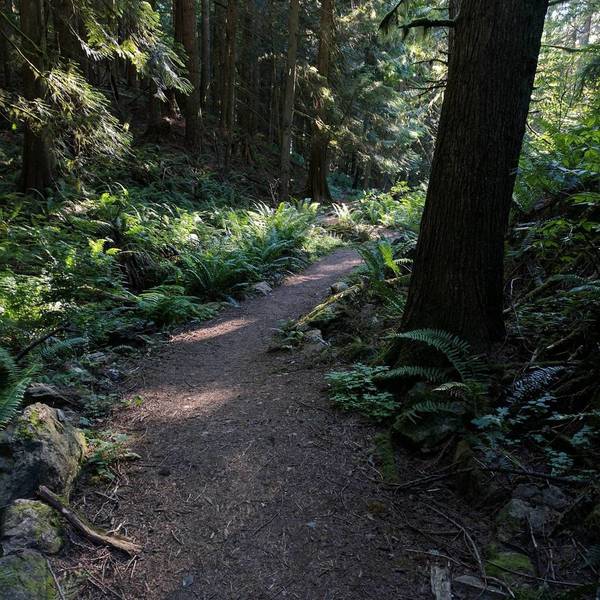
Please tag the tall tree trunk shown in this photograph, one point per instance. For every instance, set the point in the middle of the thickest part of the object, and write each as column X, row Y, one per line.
column 5, row 81
column 37, row 156
column 205, row 82
column 229, row 96
column 287, row 117
column 186, row 33
column 317, row 186
column 66, row 23
column 457, row 282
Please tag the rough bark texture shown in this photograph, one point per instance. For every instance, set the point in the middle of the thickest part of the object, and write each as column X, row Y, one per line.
column 205, row 83
column 317, row 187
column 229, row 91
column 186, row 33
column 287, row 116
column 457, row 283
column 37, row 156
column 6, row 78
column 66, row 22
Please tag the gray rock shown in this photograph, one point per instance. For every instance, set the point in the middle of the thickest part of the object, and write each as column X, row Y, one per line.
column 262, row 287
column 339, row 286
column 314, row 336
column 39, row 448
column 550, row 496
column 31, row 524
column 518, row 516
column 555, row 498
column 25, row 576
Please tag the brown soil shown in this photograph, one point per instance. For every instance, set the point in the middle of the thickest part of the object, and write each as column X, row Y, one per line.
column 251, row 487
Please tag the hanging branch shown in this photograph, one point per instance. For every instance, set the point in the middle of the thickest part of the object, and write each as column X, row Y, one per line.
column 427, row 24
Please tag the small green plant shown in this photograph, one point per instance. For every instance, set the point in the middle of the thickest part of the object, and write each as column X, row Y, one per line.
column 355, row 390
column 106, row 449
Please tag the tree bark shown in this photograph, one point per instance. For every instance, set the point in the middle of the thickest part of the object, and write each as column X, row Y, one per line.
column 65, row 22
column 186, row 33
column 6, row 7
column 457, row 282
column 37, row 156
column 205, row 83
column 317, row 186
column 229, row 95
column 288, row 100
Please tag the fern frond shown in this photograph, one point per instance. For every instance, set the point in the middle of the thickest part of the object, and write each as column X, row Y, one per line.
column 427, row 407
column 458, row 352
column 533, row 382
column 431, row 374
column 12, row 387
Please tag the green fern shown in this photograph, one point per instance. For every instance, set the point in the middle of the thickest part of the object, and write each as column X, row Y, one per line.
column 458, row 352
column 428, row 407
column 13, row 384
column 431, row 374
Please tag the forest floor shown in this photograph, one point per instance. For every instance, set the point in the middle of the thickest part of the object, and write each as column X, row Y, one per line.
column 251, row 487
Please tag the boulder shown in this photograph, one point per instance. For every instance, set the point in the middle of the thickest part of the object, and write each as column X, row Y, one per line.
column 31, row 524
column 39, row 448
column 262, row 287
column 25, row 575
column 517, row 516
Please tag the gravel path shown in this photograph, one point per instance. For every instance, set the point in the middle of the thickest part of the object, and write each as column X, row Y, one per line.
column 250, row 486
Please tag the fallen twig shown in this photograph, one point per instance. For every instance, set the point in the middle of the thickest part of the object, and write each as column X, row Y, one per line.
column 96, row 536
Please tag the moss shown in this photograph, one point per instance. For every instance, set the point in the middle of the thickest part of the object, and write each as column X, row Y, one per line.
column 25, row 576
column 385, row 457
column 505, row 565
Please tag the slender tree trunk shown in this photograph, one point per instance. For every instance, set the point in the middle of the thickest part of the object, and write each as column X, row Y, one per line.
column 186, row 33
column 205, row 83
column 229, row 108
column 457, row 282
column 288, row 100
column 37, row 156
column 6, row 7
column 317, row 186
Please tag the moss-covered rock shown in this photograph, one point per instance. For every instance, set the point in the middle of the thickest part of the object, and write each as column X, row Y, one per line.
column 31, row 524
column 25, row 576
column 507, row 565
column 39, row 448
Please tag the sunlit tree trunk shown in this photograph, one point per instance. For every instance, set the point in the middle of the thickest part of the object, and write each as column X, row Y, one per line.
column 457, row 282
column 37, row 156
column 317, row 186
column 186, row 33
column 287, row 116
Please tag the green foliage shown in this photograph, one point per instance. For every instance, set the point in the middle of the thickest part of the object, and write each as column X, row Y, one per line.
column 105, row 450
column 470, row 368
column 355, row 390
column 168, row 305
column 13, row 383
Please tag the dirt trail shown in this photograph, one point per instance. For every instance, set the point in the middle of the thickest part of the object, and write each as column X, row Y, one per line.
column 250, row 486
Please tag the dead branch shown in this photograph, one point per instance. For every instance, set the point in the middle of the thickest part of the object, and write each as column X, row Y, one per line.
column 93, row 534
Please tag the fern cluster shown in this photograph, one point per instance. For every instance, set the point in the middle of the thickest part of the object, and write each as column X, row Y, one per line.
column 13, row 383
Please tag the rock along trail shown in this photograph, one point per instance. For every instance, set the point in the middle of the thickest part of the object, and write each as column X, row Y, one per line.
column 250, row 485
